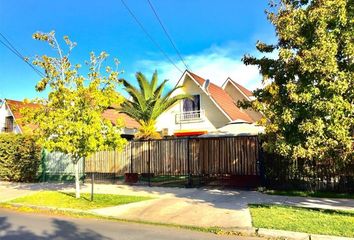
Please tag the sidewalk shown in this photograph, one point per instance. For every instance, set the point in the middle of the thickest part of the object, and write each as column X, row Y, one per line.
column 202, row 207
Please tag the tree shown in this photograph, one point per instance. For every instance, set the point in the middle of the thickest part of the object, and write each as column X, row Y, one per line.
column 70, row 119
column 308, row 98
column 148, row 102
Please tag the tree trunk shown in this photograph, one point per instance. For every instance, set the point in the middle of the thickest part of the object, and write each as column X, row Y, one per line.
column 77, row 180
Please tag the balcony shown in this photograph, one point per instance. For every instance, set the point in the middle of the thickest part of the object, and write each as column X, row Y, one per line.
column 191, row 116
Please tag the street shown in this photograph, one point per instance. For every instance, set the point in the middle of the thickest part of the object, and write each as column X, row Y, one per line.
column 24, row 226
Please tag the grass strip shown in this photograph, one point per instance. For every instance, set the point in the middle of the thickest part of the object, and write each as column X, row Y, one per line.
column 314, row 221
column 317, row 194
column 68, row 200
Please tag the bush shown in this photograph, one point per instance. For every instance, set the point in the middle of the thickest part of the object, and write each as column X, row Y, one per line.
column 20, row 158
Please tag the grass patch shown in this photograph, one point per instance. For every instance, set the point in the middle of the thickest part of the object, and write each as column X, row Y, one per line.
column 68, row 200
column 310, row 194
column 315, row 221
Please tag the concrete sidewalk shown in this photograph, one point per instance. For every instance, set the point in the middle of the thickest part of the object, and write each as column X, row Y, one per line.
column 203, row 207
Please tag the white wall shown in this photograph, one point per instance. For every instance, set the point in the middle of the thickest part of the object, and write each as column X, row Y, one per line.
column 214, row 118
column 5, row 112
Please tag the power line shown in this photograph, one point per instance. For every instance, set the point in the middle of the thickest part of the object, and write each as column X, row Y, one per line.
column 149, row 36
column 11, row 47
column 168, row 35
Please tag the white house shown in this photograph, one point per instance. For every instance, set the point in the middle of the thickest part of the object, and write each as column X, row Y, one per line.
column 212, row 107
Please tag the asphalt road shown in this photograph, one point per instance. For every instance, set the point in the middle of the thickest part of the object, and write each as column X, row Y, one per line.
column 24, row 226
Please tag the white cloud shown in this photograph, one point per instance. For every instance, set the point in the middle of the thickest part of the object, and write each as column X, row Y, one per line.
column 216, row 63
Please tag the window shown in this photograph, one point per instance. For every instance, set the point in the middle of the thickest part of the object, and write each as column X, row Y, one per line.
column 9, row 124
column 190, row 105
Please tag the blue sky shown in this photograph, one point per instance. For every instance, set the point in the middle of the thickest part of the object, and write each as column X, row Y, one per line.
column 212, row 36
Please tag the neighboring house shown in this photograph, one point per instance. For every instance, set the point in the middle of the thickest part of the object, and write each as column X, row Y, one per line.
column 211, row 108
column 130, row 125
column 10, row 116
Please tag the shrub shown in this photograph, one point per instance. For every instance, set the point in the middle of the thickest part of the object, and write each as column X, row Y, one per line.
column 20, row 158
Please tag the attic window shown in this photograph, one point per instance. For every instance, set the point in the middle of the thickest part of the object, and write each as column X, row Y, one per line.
column 190, row 105
column 9, row 124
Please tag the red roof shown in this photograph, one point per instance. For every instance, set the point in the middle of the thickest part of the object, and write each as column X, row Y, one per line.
column 245, row 91
column 223, row 100
column 16, row 106
column 112, row 115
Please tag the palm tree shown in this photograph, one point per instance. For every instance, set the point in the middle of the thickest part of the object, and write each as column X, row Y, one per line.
column 148, row 102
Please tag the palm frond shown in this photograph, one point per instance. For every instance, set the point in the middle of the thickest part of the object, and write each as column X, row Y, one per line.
column 154, row 81
column 144, row 85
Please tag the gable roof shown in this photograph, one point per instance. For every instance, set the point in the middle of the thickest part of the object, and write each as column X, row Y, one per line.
column 244, row 90
column 16, row 106
column 15, row 109
column 222, row 100
column 110, row 114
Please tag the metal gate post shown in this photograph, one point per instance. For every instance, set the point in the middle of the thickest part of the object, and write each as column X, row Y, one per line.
column 131, row 156
column 149, row 160
column 92, row 184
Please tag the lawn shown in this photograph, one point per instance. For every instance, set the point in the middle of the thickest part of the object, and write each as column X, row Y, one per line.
column 310, row 194
column 68, row 200
column 315, row 221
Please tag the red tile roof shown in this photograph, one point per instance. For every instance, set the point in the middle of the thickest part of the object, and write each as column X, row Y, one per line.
column 16, row 106
column 247, row 92
column 112, row 115
column 223, row 100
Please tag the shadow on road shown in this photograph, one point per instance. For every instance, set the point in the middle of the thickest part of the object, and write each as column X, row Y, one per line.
column 60, row 229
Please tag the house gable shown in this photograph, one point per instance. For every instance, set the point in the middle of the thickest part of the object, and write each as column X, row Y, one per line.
column 222, row 100
column 11, row 108
column 239, row 93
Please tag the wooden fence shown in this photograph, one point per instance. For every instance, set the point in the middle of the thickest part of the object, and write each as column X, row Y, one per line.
column 216, row 156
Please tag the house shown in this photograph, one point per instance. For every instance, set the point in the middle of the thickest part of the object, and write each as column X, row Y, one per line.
column 10, row 116
column 211, row 107
column 130, row 125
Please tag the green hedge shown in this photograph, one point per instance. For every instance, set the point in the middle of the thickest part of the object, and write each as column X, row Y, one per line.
column 20, row 158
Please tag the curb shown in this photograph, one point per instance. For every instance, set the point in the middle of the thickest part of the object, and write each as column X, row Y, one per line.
column 272, row 233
